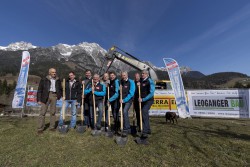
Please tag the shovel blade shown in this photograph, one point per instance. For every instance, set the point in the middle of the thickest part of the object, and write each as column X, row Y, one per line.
column 109, row 134
column 122, row 141
column 96, row 132
column 81, row 129
column 143, row 141
column 63, row 129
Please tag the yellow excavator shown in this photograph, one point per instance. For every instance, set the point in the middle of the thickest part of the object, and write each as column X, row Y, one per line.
column 117, row 53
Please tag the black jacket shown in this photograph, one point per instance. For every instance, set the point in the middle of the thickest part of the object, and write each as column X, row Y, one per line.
column 73, row 93
column 44, row 87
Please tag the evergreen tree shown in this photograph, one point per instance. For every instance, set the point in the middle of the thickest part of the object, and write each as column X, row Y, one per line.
column 5, row 85
column 1, row 87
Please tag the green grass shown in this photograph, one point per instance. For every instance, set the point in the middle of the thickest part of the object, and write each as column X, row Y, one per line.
column 192, row 142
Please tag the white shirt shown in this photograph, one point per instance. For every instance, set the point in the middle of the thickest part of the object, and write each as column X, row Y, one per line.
column 52, row 85
column 71, row 82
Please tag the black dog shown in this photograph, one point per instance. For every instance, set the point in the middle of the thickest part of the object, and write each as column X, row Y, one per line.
column 171, row 116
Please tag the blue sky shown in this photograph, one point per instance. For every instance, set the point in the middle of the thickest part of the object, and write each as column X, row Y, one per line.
column 207, row 35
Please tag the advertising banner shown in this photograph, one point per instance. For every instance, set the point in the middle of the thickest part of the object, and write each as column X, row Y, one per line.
column 164, row 101
column 178, row 88
column 20, row 90
column 32, row 98
column 219, row 103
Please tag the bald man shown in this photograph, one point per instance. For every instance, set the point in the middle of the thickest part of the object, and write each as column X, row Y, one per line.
column 49, row 91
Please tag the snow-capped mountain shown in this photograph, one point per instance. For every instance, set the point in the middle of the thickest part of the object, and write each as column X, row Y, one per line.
column 91, row 48
column 18, row 46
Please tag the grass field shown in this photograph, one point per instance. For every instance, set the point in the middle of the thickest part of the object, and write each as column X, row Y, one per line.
column 192, row 142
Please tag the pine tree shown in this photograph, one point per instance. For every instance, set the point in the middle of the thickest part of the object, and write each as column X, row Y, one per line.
column 1, row 87
column 5, row 86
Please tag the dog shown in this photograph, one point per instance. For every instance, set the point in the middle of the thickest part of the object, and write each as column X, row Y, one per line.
column 171, row 116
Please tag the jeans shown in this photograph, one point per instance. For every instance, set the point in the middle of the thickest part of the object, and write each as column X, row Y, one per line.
column 98, row 104
column 126, row 123
column 145, row 116
column 73, row 113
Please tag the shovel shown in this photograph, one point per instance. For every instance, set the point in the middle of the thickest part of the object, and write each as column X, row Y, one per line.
column 80, row 128
column 95, row 132
column 121, row 140
column 143, row 139
column 64, row 128
column 109, row 132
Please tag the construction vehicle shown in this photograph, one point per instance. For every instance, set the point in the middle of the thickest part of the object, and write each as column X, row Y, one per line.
column 117, row 53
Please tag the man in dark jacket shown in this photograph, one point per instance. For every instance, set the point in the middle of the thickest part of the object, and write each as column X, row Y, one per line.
column 147, row 88
column 87, row 82
column 128, row 91
column 73, row 97
column 137, row 79
column 49, row 91
column 99, row 91
column 114, row 87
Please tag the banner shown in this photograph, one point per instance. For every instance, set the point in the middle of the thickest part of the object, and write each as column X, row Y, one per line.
column 20, row 90
column 219, row 103
column 164, row 101
column 32, row 98
column 177, row 85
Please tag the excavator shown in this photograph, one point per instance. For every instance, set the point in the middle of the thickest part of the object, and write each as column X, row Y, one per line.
column 117, row 53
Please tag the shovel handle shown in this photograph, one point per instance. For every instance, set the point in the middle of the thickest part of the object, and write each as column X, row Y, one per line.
column 82, row 107
column 63, row 105
column 121, row 112
column 108, row 108
column 94, row 104
column 104, row 109
column 140, row 107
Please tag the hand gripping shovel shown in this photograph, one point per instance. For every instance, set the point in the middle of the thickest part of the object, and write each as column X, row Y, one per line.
column 95, row 132
column 121, row 140
column 142, row 139
column 81, row 128
column 109, row 132
column 64, row 128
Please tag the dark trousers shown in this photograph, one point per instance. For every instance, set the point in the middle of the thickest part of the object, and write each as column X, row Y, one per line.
column 115, row 106
column 145, row 116
column 137, row 112
column 86, row 114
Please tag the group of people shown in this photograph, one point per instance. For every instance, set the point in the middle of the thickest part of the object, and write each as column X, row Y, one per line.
column 110, row 91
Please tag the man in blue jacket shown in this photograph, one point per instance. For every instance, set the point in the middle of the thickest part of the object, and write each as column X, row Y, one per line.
column 147, row 88
column 99, row 91
column 128, row 91
column 114, row 98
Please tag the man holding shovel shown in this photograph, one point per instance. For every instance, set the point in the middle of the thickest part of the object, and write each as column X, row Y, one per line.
column 147, row 88
column 87, row 82
column 98, row 90
column 128, row 91
column 114, row 98
column 73, row 97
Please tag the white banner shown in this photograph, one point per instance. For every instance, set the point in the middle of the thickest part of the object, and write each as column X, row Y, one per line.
column 20, row 90
column 219, row 103
column 177, row 85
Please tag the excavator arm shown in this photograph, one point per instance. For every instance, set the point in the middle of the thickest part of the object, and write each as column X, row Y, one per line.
column 125, row 57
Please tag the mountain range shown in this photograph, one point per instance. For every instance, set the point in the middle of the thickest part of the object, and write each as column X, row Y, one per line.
column 86, row 55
